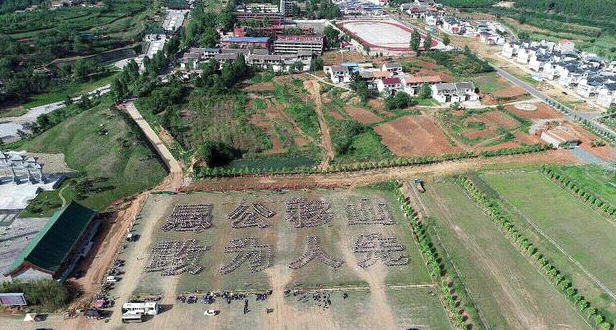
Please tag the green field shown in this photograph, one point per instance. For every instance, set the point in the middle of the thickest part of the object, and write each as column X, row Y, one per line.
column 576, row 236
column 508, row 290
column 594, row 178
column 59, row 94
column 113, row 165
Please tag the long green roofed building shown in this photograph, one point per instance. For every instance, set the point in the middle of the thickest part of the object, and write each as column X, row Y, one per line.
column 58, row 247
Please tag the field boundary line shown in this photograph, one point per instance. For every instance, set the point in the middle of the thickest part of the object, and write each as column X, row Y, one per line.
column 557, row 246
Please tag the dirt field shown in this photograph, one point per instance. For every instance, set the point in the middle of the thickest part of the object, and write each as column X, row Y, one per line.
column 369, row 288
column 362, row 115
column 542, row 112
column 509, row 92
column 415, row 136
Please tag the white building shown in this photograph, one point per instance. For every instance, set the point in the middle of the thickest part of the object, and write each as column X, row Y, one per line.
column 607, row 95
column 338, row 74
column 454, row 92
column 394, row 67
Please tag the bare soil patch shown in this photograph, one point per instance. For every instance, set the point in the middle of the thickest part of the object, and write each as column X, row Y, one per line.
column 260, row 87
column 543, row 112
column 362, row 115
column 509, row 92
column 605, row 152
column 379, row 106
column 415, row 136
column 336, row 115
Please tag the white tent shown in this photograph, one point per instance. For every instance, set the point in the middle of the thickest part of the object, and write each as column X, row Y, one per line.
column 30, row 318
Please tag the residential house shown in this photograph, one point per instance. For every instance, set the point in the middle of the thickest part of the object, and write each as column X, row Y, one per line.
column 606, row 96
column 454, row 92
column 413, row 84
column 451, row 25
column 390, row 85
column 537, row 62
column 338, row 74
column 394, row 67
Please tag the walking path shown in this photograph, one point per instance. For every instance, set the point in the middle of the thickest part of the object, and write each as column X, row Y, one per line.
column 175, row 170
column 326, row 140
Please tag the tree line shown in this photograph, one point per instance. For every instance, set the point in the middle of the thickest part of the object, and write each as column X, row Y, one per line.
column 436, row 265
column 532, row 252
column 587, row 196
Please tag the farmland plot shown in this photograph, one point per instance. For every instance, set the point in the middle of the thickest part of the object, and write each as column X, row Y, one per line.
column 577, row 236
column 506, row 287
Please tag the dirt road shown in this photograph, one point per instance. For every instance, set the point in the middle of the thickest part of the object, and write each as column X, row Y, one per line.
column 359, row 178
column 326, row 141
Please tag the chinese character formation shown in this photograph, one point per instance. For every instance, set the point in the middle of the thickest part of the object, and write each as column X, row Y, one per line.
column 261, row 256
column 313, row 250
column 369, row 213
column 378, row 248
column 246, row 216
column 189, row 217
column 303, row 213
column 175, row 257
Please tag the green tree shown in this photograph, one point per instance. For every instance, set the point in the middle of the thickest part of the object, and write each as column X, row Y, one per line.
column 427, row 44
column 415, row 41
column 446, row 40
column 332, row 37
column 209, row 37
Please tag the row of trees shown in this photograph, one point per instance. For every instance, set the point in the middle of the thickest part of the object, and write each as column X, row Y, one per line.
column 530, row 250
column 584, row 194
column 416, row 43
column 526, row 149
column 350, row 167
column 364, row 166
column 437, row 268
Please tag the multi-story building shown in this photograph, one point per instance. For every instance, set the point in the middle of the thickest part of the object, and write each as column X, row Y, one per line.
column 287, row 7
column 292, row 44
column 245, row 42
column 272, row 18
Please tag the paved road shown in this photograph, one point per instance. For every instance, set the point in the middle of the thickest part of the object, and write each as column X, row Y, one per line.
column 570, row 113
column 10, row 125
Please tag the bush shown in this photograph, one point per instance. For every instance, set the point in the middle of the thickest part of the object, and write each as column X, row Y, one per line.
column 400, row 101
column 42, row 295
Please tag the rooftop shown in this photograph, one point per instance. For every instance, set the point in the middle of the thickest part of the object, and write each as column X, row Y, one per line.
column 52, row 245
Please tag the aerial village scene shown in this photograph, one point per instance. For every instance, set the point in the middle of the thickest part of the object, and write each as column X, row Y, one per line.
column 307, row 164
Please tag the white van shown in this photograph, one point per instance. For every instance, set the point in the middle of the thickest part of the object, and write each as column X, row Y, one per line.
column 147, row 308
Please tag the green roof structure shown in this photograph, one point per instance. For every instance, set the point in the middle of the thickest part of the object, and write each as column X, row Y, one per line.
column 53, row 244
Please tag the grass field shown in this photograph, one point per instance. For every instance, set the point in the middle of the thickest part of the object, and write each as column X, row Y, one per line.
column 594, row 178
column 507, row 289
column 116, row 164
column 406, row 289
column 75, row 89
column 577, row 237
